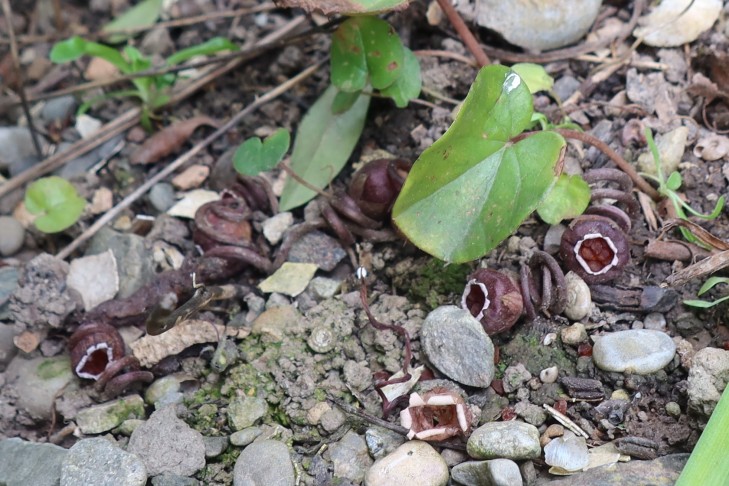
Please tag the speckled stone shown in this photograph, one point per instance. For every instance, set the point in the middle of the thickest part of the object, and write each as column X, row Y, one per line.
column 637, row 351
column 455, row 343
column 497, row 472
column 509, row 440
column 264, row 463
column 89, row 460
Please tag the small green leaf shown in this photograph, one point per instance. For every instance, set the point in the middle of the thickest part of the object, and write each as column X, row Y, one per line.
column 705, row 304
column 348, row 61
column 323, row 144
column 75, row 47
column 143, row 14
column 253, row 156
column 383, row 49
column 534, row 75
column 216, row 44
column 474, row 186
column 674, row 181
column 343, row 101
column 568, row 199
column 711, row 282
column 407, row 87
column 56, row 202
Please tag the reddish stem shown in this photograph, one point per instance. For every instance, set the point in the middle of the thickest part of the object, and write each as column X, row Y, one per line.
column 465, row 34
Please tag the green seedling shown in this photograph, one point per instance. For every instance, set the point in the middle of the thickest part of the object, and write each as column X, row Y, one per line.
column 475, row 185
column 366, row 54
column 710, row 283
column 668, row 187
column 254, row 156
column 152, row 91
column 56, row 203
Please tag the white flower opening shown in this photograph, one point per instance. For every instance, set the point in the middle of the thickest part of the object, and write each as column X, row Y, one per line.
column 467, row 292
column 583, row 263
column 89, row 355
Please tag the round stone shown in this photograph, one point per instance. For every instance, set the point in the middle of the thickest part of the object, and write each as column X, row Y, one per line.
column 638, row 351
column 321, row 339
column 12, row 235
column 456, row 344
column 509, row 440
column 414, row 463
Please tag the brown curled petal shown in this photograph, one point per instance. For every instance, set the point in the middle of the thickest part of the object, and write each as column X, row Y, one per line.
column 611, row 212
column 115, row 368
column 623, row 197
column 337, row 225
column 224, row 221
column 242, row 254
column 117, row 385
column 258, row 193
column 346, row 206
column 436, row 415
column 525, row 278
column 622, row 179
column 398, row 171
column 94, row 346
column 595, row 248
column 557, row 300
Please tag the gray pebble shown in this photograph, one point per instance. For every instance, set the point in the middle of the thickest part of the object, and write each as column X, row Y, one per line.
column 12, row 235
column 58, row 110
column 319, row 248
column 456, row 344
column 638, row 351
column 497, row 472
column 381, row 442
column 168, row 479
column 565, row 86
column 511, row 440
column 162, row 196
column 89, row 461
column 275, row 226
column 332, row 419
column 30, row 463
column 357, row 375
column 532, row 414
column 245, row 411
column 514, row 377
column 574, row 334
column 264, row 463
column 161, row 387
column 214, row 446
column 37, row 381
column 8, row 350
column 350, row 458
column 655, row 321
column 673, row 409
column 16, row 146
column 244, row 437
column 167, row 444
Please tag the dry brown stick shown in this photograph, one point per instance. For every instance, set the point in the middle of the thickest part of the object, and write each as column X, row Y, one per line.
column 705, row 267
column 464, row 33
column 181, row 22
column 173, row 166
column 128, row 119
column 674, row 250
column 8, row 13
column 615, row 157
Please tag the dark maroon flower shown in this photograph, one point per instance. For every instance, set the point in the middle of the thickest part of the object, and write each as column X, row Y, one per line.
column 494, row 299
column 438, row 415
column 595, row 248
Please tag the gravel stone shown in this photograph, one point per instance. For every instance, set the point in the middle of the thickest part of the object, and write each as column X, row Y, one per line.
column 244, row 437
column 532, row 414
column 332, row 419
column 497, row 472
column 264, row 463
column 30, row 463
column 8, row 350
column 37, row 381
column 514, row 377
column 16, row 147
column 638, row 351
column 574, row 334
column 673, row 409
column 321, row 339
column 89, row 460
column 167, row 479
column 246, row 411
column 106, row 416
column 357, row 375
column 12, row 235
column 95, row 278
column 350, row 457
column 319, row 248
column 707, row 379
column 275, row 227
column 162, row 196
column 415, row 463
column 381, row 442
column 663, row 471
column 456, row 344
column 167, row 444
column 58, row 110
column 510, row 440
column 214, row 446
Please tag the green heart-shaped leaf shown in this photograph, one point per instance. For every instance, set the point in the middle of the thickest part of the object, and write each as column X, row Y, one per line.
column 407, row 87
column 568, row 199
column 534, row 75
column 56, row 202
column 253, row 156
column 474, row 186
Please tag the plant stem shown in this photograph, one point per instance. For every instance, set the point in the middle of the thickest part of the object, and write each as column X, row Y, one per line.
column 466, row 35
column 615, row 157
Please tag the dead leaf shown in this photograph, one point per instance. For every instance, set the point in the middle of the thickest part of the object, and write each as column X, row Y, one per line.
column 167, row 141
column 712, row 147
column 676, row 22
